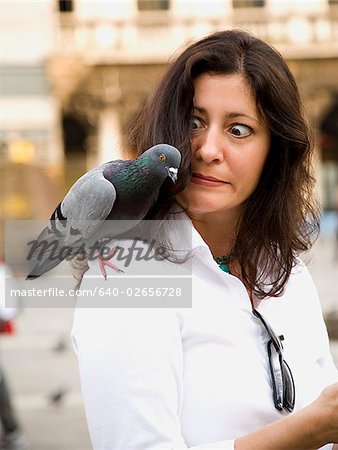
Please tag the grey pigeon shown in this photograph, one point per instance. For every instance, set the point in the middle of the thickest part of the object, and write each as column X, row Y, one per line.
column 121, row 190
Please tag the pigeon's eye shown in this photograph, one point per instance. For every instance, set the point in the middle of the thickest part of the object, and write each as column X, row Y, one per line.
column 162, row 157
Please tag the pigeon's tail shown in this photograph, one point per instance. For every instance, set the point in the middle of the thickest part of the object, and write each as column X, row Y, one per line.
column 45, row 253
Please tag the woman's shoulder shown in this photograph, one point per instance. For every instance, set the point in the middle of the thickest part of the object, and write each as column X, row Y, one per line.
column 301, row 272
column 301, row 290
column 118, row 332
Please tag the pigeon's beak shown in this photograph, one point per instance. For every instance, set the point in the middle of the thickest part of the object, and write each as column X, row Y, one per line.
column 172, row 172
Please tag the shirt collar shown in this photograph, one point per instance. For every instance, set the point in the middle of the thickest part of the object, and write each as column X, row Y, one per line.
column 181, row 225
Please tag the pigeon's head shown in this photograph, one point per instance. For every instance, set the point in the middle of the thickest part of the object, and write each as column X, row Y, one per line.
column 166, row 157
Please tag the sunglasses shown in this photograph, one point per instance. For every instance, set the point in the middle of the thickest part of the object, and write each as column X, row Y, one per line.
column 282, row 380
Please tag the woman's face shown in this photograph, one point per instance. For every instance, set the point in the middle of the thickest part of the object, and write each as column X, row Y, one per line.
column 230, row 142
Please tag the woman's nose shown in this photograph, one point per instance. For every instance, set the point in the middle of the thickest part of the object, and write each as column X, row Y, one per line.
column 210, row 146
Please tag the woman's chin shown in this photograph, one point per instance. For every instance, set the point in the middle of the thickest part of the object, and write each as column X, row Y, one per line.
column 202, row 203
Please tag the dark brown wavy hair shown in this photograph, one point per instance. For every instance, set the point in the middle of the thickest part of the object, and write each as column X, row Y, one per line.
column 281, row 217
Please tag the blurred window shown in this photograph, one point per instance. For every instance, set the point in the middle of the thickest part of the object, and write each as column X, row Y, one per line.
column 329, row 152
column 248, row 3
column 153, row 5
column 23, row 80
column 66, row 5
column 329, row 134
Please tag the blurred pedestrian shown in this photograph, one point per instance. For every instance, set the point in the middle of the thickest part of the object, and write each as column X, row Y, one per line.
column 12, row 437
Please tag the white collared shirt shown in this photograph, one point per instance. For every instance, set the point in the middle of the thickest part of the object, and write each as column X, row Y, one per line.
column 197, row 378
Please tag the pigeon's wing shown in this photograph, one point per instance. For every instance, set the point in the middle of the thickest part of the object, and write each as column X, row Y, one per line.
column 87, row 204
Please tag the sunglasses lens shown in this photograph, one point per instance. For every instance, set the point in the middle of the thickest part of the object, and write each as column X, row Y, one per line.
column 276, row 376
column 289, row 387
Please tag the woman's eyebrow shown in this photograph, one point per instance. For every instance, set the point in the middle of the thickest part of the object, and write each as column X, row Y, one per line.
column 200, row 110
column 230, row 115
column 234, row 115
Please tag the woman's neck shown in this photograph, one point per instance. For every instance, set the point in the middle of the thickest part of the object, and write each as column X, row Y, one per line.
column 217, row 229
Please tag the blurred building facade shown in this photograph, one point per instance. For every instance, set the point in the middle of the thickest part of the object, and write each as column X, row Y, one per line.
column 74, row 72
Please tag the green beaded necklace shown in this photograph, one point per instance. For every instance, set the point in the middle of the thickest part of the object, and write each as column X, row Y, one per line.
column 223, row 262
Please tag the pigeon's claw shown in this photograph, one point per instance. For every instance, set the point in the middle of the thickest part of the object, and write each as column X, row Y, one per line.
column 103, row 261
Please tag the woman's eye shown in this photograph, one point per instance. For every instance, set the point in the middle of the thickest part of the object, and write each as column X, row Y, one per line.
column 240, row 130
column 196, row 123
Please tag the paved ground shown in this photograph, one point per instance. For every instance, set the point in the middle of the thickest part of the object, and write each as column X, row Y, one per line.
column 40, row 364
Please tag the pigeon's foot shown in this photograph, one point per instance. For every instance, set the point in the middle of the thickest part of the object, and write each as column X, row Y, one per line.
column 103, row 261
column 78, row 268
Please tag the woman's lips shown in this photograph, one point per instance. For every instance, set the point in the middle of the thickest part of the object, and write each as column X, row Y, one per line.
column 206, row 180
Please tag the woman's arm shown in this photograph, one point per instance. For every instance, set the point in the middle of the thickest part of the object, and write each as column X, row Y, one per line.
column 309, row 429
column 131, row 367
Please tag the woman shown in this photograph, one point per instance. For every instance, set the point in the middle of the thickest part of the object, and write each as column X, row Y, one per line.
column 217, row 375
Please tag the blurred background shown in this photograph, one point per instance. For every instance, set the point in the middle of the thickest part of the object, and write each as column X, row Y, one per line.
column 72, row 75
